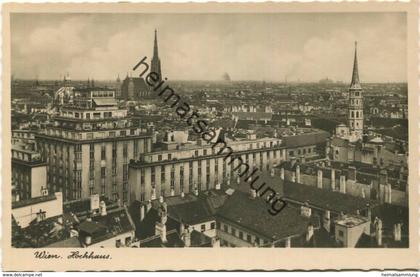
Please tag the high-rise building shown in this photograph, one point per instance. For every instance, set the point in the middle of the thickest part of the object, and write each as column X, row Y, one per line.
column 89, row 146
column 355, row 103
column 155, row 66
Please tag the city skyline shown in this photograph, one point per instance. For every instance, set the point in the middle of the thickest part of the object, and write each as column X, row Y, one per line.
column 297, row 55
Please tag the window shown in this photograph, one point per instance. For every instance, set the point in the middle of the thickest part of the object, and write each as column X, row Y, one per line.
column 241, row 235
column 127, row 241
column 212, row 225
column 233, row 231
column 249, row 238
column 225, row 228
column 118, row 243
column 291, row 153
column 159, row 157
column 103, row 172
column 103, row 152
column 203, row 227
column 340, row 233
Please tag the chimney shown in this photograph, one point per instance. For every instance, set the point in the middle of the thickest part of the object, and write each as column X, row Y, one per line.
column 88, row 240
column 102, row 208
column 388, row 194
column 282, row 173
column 181, row 228
column 397, row 232
column 378, row 231
column 319, row 179
column 187, row 237
column 142, row 208
column 310, row 232
column 252, row 194
column 288, row 242
column 160, row 229
column 215, row 242
column 298, row 174
column 327, row 221
column 333, row 179
column 343, row 183
column 305, row 210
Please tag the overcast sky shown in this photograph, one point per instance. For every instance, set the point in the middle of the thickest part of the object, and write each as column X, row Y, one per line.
column 267, row 47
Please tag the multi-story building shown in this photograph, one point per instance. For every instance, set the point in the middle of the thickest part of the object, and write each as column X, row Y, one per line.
column 89, row 146
column 29, row 173
column 199, row 167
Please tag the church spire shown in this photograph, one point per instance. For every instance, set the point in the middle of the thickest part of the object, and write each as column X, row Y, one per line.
column 155, row 48
column 355, row 83
column 155, row 64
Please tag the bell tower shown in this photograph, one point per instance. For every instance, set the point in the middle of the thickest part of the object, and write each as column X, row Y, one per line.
column 355, row 116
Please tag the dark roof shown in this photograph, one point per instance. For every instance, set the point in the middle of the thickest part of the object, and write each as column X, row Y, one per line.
column 72, row 242
column 199, row 239
column 339, row 142
column 172, row 240
column 146, row 228
column 300, row 140
column 253, row 215
column 324, row 199
column 191, row 213
column 33, row 201
column 114, row 223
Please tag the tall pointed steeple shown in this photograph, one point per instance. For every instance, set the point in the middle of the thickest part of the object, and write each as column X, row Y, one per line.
column 155, row 46
column 356, row 117
column 155, row 65
column 355, row 83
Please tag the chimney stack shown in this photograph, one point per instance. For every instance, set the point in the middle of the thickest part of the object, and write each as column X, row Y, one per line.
column 142, row 213
column 343, row 183
column 282, row 173
column 102, row 208
column 288, row 242
column 378, row 231
column 333, row 179
column 310, row 232
column 319, row 178
column 397, row 232
column 253, row 193
column 187, row 237
column 298, row 174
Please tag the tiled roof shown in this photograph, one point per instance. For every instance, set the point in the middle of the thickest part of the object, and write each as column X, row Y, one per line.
column 324, row 199
column 33, row 201
column 172, row 237
column 253, row 215
column 305, row 139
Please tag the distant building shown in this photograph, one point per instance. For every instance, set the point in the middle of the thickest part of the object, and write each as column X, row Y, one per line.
column 135, row 88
